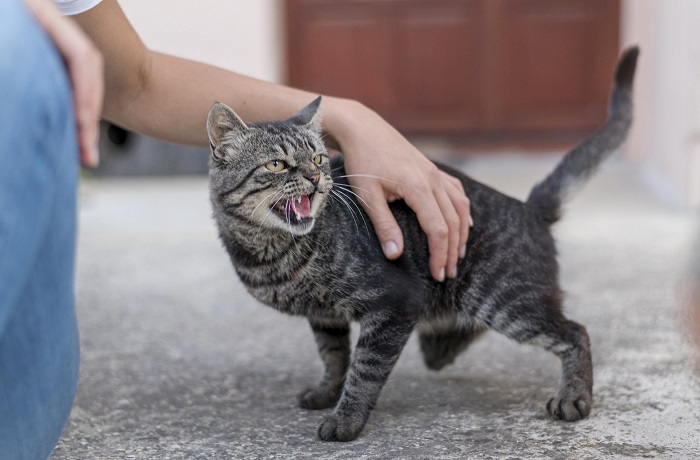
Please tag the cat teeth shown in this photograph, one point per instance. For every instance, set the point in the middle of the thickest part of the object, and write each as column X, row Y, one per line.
column 294, row 202
column 294, row 208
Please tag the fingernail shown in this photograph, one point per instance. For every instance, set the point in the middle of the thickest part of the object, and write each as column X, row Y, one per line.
column 95, row 158
column 453, row 272
column 463, row 252
column 390, row 248
column 441, row 276
column 471, row 221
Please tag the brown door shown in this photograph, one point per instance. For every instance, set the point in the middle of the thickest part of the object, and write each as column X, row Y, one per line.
column 497, row 67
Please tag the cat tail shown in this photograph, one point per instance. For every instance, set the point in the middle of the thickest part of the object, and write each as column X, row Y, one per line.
column 583, row 160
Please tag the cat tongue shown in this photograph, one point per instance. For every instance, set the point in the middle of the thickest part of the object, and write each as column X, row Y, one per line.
column 303, row 207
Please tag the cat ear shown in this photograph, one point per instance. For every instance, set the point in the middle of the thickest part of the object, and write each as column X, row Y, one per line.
column 222, row 120
column 308, row 116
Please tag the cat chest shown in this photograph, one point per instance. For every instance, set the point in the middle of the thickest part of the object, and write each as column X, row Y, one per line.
column 287, row 299
column 296, row 295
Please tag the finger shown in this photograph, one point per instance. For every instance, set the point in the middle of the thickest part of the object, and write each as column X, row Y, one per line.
column 452, row 220
column 462, row 205
column 88, row 94
column 88, row 135
column 453, row 180
column 420, row 199
column 385, row 225
column 87, row 124
column 85, row 66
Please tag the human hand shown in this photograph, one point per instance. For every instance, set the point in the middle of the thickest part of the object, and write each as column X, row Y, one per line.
column 383, row 166
column 85, row 69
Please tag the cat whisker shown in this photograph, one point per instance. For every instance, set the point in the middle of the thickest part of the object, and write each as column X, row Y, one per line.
column 371, row 176
column 346, row 186
column 358, row 197
column 288, row 214
column 269, row 212
column 343, row 192
column 265, row 199
column 353, row 202
column 339, row 199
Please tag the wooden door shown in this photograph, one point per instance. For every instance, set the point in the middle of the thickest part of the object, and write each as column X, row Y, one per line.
column 500, row 67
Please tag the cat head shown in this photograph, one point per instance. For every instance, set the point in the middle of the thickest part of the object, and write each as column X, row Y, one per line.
column 273, row 175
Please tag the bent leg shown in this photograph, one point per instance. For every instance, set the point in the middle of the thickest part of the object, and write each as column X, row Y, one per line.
column 334, row 347
column 39, row 350
column 382, row 338
column 574, row 397
column 540, row 322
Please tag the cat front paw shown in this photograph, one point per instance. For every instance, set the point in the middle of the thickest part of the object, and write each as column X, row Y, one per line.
column 570, row 405
column 318, row 398
column 336, row 427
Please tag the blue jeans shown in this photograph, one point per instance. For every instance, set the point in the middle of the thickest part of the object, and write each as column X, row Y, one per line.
column 39, row 349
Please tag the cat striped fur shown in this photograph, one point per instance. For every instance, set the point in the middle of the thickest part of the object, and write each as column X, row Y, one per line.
column 301, row 243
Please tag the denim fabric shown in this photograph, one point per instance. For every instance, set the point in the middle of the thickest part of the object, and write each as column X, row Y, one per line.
column 39, row 350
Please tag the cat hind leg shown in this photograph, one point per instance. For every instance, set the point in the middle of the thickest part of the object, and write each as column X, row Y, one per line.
column 574, row 397
column 569, row 341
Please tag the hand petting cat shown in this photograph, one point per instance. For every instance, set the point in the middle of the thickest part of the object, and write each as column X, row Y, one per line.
column 168, row 98
column 384, row 167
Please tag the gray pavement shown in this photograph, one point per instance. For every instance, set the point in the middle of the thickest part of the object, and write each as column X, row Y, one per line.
column 179, row 362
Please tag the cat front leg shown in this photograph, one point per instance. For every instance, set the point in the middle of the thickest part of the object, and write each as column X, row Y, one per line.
column 333, row 343
column 382, row 337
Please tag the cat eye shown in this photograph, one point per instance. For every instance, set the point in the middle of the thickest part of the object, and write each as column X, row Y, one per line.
column 276, row 165
column 318, row 159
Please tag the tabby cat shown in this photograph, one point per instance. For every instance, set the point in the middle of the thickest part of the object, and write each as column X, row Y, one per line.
column 301, row 243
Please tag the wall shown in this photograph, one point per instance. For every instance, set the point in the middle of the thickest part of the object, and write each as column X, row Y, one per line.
column 240, row 35
column 665, row 141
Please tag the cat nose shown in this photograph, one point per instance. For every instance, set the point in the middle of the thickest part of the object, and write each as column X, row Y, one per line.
column 312, row 176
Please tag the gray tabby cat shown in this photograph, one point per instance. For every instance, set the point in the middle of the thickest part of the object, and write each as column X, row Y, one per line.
column 301, row 244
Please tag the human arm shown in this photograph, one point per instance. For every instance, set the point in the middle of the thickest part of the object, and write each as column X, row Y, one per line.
column 169, row 98
column 84, row 66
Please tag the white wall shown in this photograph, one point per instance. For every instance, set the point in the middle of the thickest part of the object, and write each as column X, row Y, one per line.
column 240, row 35
column 665, row 140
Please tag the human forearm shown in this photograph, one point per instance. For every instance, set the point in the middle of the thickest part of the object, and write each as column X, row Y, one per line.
column 169, row 97
column 175, row 95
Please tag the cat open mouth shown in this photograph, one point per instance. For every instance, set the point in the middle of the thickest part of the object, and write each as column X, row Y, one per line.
column 295, row 211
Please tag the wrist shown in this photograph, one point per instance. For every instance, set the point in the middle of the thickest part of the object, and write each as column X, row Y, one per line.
column 342, row 117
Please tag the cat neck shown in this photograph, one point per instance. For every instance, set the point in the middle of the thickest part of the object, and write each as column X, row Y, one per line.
column 251, row 245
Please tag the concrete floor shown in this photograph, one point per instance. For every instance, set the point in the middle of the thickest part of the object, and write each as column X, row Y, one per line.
column 179, row 362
